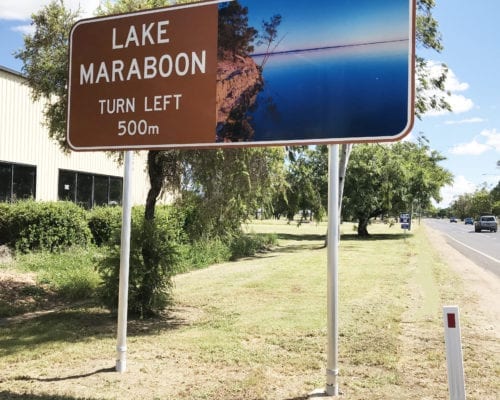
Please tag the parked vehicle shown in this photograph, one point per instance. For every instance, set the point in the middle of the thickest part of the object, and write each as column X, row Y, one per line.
column 486, row 222
column 469, row 221
column 453, row 219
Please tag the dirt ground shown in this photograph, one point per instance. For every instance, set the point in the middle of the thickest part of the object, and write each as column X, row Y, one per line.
column 484, row 284
column 480, row 307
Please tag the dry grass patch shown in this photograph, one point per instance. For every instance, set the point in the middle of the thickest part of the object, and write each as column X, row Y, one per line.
column 255, row 329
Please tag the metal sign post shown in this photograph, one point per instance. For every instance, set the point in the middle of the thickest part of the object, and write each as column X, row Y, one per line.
column 332, row 370
column 121, row 345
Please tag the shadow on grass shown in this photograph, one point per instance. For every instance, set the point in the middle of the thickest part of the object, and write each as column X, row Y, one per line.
column 77, row 325
column 5, row 395
column 345, row 236
column 65, row 378
column 300, row 237
column 378, row 236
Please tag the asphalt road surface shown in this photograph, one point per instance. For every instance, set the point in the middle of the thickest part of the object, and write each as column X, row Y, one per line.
column 483, row 248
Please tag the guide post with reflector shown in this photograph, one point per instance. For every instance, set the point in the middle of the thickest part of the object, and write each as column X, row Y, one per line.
column 454, row 358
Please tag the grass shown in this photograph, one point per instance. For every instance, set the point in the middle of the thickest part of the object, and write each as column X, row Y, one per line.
column 255, row 329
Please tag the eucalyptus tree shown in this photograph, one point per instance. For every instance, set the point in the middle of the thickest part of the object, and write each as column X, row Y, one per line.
column 225, row 185
column 391, row 178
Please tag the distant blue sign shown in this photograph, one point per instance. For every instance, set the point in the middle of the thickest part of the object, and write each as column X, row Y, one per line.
column 405, row 220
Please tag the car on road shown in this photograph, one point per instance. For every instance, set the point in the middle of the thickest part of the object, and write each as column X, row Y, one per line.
column 453, row 219
column 486, row 222
column 469, row 221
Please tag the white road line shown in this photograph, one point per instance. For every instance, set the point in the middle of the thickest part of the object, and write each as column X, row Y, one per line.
column 473, row 249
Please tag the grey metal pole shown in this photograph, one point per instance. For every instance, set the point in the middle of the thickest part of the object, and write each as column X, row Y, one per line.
column 121, row 346
column 332, row 370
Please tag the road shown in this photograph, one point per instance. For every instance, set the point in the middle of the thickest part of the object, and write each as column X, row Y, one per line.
column 481, row 248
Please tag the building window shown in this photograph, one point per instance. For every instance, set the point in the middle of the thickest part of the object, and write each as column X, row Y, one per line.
column 17, row 181
column 89, row 190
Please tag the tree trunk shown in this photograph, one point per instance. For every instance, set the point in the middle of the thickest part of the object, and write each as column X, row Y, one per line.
column 363, row 227
column 156, row 178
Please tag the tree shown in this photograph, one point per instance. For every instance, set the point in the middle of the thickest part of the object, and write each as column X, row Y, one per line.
column 224, row 185
column 495, row 192
column 307, row 184
column 430, row 93
column 268, row 36
column 234, row 34
column 45, row 65
column 462, row 206
column 481, row 202
column 388, row 179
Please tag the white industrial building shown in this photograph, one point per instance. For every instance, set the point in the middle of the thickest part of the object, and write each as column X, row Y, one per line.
column 33, row 166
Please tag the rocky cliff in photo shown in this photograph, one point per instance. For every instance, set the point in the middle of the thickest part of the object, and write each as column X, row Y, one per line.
column 239, row 80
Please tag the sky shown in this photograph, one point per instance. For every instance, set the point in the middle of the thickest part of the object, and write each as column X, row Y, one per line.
column 331, row 23
column 469, row 136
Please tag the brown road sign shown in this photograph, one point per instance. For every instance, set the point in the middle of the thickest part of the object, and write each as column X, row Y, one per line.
column 143, row 80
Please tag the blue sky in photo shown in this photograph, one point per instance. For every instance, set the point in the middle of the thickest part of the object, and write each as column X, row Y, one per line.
column 331, row 23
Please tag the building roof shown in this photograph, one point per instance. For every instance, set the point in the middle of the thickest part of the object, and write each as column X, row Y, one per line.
column 10, row 71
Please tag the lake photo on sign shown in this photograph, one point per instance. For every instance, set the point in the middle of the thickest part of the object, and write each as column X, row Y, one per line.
column 276, row 72
column 330, row 69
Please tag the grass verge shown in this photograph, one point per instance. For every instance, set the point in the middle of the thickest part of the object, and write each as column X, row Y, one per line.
column 255, row 329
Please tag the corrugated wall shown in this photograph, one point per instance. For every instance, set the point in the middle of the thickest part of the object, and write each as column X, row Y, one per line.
column 24, row 139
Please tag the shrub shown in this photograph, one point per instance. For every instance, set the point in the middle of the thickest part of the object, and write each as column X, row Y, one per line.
column 250, row 244
column 203, row 253
column 70, row 274
column 154, row 258
column 51, row 226
column 4, row 231
column 104, row 223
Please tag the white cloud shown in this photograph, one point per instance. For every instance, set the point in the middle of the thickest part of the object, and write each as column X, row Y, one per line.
column 21, row 10
column 449, row 193
column 453, row 84
column 488, row 139
column 458, row 102
column 24, row 29
column 492, row 138
column 473, row 148
column 491, row 180
column 465, row 121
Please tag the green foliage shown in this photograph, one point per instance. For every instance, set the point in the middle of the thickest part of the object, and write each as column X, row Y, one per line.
column 51, row 226
column 475, row 204
column 496, row 208
column 154, row 259
column 104, row 223
column 495, row 193
column 70, row 274
column 307, row 184
column 431, row 93
column 222, row 188
column 234, row 34
column 204, row 252
column 45, row 64
column 389, row 179
column 4, row 229
column 250, row 244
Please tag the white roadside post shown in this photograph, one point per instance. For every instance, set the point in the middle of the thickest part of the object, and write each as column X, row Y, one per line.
column 454, row 358
column 332, row 370
column 121, row 346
